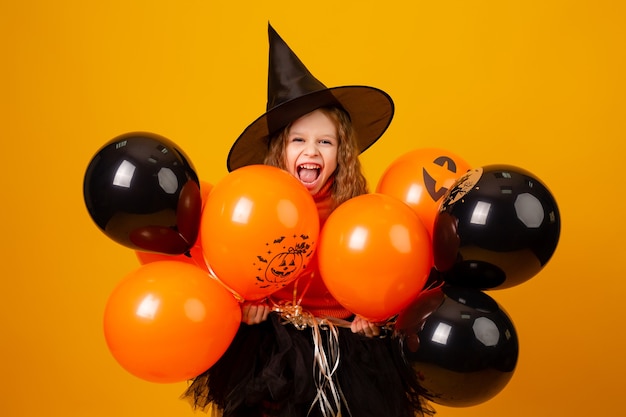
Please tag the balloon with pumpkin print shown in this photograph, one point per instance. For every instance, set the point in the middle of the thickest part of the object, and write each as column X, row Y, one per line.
column 420, row 178
column 259, row 229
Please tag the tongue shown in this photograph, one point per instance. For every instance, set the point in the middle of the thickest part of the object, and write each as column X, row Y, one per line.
column 308, row 175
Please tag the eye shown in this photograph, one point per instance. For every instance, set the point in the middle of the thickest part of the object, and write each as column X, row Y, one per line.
column 326, row 142
column 297, row 139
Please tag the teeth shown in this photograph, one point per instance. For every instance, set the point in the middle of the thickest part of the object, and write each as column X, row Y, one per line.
column 309, row 166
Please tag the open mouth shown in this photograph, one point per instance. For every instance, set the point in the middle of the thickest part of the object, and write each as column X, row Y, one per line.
column 309, row 173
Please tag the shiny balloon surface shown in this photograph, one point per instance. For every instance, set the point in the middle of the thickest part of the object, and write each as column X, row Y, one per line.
column 374, row 255
column 498, row 226
column 259, row 230
column 168, row 321
column 143, row 192
column 463, row 346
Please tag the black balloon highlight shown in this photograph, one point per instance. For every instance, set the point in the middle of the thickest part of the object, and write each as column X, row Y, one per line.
column 461, row 344
column 143, row 192
column 497, row 227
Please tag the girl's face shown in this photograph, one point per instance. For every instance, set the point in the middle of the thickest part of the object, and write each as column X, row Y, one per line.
column 311, row 150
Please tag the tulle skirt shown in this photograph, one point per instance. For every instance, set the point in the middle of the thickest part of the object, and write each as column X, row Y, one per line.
column 276, row 369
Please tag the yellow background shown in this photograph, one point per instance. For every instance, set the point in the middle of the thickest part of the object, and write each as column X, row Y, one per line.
column 538, row 84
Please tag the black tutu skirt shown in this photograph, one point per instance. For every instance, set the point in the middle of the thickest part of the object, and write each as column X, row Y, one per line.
column 271, row 369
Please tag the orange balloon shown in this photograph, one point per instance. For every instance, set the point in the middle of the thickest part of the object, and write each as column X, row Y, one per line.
column 374, row 255
column 169, row 321
column 420, row 178
column 195, row 256
column 258, row 230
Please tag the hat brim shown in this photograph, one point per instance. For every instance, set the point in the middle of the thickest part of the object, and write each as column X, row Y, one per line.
column 370, row 109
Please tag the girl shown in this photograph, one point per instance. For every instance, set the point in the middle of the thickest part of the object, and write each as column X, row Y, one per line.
column 302, row 353
column 320, row 150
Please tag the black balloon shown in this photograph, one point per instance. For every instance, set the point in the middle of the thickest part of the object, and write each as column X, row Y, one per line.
column 461, row 344
column 497, row 227
column 142, row 191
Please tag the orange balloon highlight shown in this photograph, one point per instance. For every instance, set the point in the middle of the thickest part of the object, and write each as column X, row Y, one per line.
column 420, row 178
column 374, row 255
column 168, row 321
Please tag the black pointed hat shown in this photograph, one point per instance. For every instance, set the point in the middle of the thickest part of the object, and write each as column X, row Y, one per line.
column 292, row 92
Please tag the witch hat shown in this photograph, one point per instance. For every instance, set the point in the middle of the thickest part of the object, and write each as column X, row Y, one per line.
column 292, row 92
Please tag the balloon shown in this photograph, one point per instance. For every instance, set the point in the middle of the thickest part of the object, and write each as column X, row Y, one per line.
column 374, row 255
column 194, row 256
column 460, row 342
column 142, row 191
column 259, row 229
column 498, row 227
column 169, row 321
column 420, row 178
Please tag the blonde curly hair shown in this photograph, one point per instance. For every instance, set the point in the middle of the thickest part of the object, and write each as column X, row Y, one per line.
column 349, row 178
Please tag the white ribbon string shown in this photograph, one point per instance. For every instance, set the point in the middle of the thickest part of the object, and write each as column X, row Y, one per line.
column 329, row 396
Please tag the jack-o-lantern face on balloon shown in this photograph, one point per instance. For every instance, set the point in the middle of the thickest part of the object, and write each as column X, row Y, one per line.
column 420, row 178
column 281, row 268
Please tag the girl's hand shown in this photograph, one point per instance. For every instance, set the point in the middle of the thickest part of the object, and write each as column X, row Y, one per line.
column 254, row 313
column 364, row 327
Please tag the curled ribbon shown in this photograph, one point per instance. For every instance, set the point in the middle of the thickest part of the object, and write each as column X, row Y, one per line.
column 326, row 356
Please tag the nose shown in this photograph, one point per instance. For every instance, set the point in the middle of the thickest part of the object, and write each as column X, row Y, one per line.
column 311, row 149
